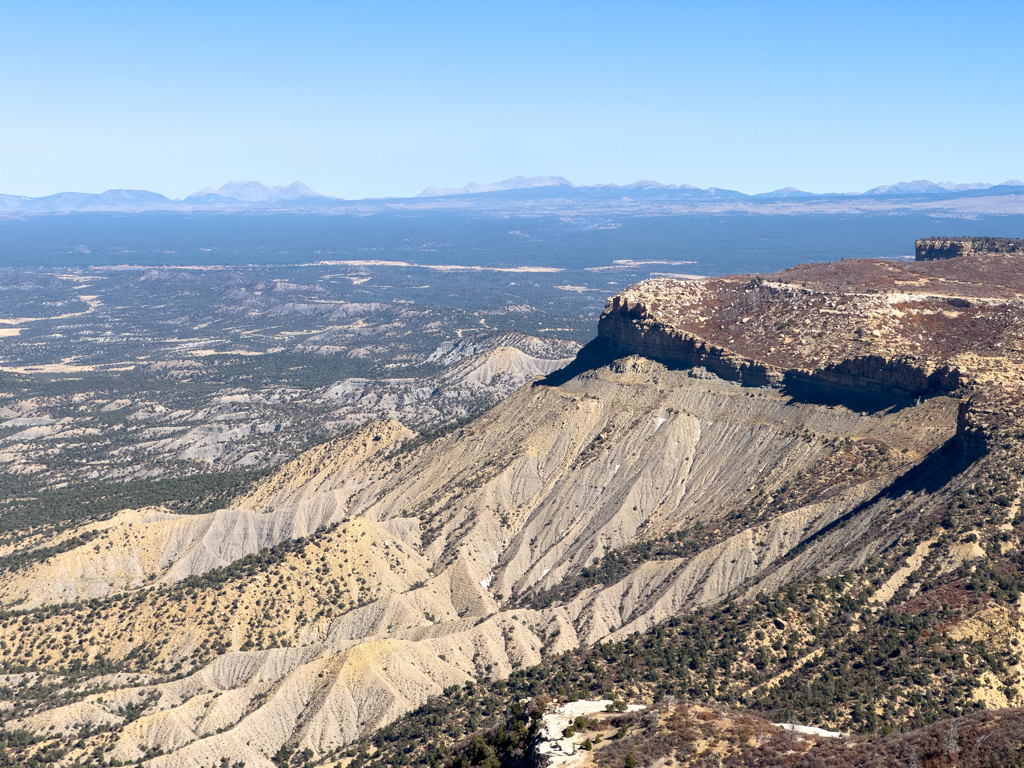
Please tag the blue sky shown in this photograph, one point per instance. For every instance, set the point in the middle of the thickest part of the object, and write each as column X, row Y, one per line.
column 379, row 99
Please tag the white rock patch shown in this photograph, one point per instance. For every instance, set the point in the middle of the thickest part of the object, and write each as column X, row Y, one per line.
column 810, row 730
column 559, row 750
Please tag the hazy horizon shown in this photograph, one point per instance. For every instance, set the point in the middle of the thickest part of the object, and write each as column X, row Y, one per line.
column 383, row 101
column 954, row 185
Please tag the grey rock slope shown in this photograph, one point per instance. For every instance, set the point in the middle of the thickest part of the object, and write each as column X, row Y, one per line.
column 474, row 525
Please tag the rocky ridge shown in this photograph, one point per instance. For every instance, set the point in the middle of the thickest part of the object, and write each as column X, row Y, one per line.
column 713, row 429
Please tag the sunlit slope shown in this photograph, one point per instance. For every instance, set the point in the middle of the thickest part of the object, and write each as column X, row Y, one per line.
column 455, row 559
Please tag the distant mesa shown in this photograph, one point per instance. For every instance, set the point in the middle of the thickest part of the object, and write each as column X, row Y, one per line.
column 519, row 182
column 255, row 192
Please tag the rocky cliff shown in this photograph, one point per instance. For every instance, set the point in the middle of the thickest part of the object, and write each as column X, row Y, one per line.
column 885, row 330
column 950, row 247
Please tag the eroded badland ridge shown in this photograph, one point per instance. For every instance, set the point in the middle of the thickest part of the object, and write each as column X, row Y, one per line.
column 815, row 471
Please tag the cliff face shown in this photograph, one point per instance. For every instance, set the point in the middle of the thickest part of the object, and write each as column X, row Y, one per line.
column 791, row 335
column 931, row 248
column 886, row 330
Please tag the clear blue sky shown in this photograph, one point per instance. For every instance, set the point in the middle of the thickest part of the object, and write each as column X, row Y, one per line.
column 378, row 98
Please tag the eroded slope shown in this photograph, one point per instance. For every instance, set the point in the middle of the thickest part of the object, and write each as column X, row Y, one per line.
column 709, row 450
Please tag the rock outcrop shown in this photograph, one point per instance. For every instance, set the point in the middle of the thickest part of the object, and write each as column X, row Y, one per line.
column 950, row 247
column 886, row 330
column 553, row 749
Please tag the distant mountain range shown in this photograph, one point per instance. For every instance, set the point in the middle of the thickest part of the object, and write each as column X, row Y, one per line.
column 929, row 188
column 248, row 195
column 524, row 182
column 519, row 182
column 254, row 192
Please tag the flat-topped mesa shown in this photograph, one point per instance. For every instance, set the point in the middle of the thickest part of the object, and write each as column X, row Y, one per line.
column 931, row 248
column 902, row 329
column 770, row 333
